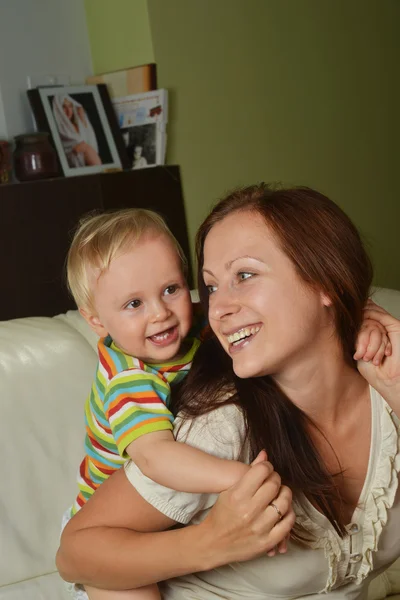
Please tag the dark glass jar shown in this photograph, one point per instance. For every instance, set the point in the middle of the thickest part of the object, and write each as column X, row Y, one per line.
column 34, row 157
column 5, row 162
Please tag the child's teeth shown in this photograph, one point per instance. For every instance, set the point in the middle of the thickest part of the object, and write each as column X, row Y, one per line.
column 161, row 336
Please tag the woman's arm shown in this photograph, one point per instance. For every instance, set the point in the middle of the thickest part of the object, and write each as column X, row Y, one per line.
column 108, row 544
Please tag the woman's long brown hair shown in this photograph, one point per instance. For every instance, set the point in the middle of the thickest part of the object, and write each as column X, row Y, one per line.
column 328, row 254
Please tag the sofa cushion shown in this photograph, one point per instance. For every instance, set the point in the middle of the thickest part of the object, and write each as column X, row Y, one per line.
column 388, row 299
column 46, row 368
column 46, row 587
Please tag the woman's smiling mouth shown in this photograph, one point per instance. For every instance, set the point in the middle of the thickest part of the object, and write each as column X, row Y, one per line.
column 242, row 334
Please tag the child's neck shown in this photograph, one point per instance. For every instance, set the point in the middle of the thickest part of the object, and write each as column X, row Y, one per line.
column 182, row 350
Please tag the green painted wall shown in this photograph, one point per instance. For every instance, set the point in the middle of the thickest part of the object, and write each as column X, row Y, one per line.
column 303, row 92
column 119, row 34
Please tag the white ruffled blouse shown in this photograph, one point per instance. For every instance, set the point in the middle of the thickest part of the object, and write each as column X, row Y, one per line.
column 339, row 568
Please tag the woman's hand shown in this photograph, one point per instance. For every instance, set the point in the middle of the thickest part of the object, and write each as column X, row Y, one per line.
column 243, row 523
column 384, row 377
column 90, row 155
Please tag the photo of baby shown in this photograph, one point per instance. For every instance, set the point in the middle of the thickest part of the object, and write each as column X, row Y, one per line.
column 141, row 145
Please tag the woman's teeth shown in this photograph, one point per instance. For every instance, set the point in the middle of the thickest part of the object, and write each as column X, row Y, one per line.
column 242, row 333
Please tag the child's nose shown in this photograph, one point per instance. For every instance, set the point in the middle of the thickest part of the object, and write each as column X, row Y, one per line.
column 160, row 312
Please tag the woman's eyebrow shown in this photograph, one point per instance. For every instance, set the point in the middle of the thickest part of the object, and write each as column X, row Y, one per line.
column 231, row 262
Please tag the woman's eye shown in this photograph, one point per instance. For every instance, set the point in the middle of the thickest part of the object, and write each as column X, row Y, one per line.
column 171, row 289
column 134, row 304
column 244, row 275
column 211, row 289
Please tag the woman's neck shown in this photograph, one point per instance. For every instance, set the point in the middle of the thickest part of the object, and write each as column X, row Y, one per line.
column 323, row 385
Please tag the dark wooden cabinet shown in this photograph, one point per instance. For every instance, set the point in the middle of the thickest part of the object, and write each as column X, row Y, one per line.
column 37, row 220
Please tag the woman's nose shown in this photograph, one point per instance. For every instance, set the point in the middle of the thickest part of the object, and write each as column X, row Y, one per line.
column 222, row 304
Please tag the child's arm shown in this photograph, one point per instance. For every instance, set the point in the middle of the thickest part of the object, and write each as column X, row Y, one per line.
column 385, row 377
column 135, row 406
column 373, row 341
column 181, row 467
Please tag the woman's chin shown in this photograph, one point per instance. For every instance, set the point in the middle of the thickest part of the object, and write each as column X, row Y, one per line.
column 247, row 369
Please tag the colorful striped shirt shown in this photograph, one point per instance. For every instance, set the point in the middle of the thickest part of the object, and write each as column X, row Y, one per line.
column 128, row 399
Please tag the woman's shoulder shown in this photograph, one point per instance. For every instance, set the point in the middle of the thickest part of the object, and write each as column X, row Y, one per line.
column 221, row 432
column 389, row 420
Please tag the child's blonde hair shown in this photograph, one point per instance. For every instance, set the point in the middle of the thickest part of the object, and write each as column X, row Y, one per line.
column 100, row 237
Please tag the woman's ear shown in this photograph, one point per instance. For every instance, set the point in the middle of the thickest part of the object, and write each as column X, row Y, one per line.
column 326, row 301
column 94, row 322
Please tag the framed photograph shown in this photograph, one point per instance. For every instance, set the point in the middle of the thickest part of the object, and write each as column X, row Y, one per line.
column 83, row 126
column 143, row 119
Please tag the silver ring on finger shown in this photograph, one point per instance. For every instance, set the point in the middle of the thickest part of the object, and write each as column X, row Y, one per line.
column 280, row 515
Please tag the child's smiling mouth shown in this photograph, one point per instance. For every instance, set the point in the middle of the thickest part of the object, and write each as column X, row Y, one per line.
column 166, row 337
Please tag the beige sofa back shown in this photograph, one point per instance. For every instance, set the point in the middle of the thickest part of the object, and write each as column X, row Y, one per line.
column 46, row 367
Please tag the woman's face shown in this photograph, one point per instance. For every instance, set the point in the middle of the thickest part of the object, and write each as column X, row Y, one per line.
column 68, row 108
column 264, row 316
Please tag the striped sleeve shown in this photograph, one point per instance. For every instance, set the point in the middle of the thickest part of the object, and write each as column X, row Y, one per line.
column 135, row 404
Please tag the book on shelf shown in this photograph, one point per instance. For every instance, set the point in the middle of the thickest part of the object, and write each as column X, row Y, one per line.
column 124, row 82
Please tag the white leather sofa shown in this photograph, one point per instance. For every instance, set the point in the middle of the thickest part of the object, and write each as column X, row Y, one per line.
column 46, row 367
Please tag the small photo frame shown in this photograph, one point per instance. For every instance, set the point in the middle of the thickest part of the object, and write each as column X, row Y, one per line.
column 143, row 121
column 141, row 145
column 83, row 126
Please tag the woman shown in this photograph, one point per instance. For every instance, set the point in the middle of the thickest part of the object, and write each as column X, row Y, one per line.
column 284, row 277
column 76, row 132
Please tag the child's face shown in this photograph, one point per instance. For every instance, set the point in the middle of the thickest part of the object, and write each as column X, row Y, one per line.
column 143, row 301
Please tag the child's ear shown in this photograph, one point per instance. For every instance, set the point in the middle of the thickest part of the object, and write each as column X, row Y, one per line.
column 94, row 322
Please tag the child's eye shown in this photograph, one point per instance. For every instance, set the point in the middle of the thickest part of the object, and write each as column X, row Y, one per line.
column 242, row 275
column 134, row 304
column 171, row 289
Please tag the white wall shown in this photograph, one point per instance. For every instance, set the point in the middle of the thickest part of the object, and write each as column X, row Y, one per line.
column 38, row 37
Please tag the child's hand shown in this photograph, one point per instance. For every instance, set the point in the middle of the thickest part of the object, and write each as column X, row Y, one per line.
column 373, row 342
column 384, row 376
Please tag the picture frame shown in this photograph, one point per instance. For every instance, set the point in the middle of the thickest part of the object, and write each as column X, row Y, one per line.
column 83, row 127
column 143, row 119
